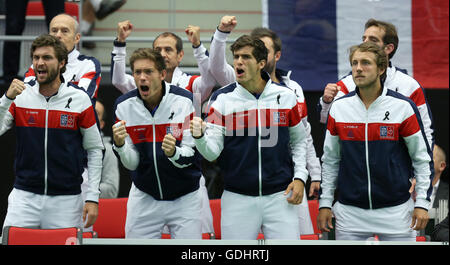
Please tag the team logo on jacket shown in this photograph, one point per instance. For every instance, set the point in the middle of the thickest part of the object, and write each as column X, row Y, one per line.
column 387, row 132
column 174, row 130
column 67, row 121
column 279, row 118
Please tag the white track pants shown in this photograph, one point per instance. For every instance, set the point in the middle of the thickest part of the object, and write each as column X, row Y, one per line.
column 146, row 217
column 27, row 209
column 244, row 216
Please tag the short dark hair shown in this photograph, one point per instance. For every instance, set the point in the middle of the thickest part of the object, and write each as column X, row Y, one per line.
column 150, row 54
column 60, row 49
column 390, row 32
column 265, row 32
column 381, row 58
column 259, row 48
column 179, row 41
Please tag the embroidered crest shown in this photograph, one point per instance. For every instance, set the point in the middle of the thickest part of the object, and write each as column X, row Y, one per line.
column 387, row 132
column 279, row 117
column 174, row 130
column 67, row 121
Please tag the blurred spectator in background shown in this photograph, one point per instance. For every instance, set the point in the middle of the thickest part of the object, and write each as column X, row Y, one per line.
column 440, row 184
column 93, row 10
column 109, row 183
column 15, row 11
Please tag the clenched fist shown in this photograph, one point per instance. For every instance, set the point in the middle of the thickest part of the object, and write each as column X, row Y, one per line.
column 197, row 127
column 16, row 88
column 168, row 145
column 227, row 23
column 124, row 29
column 330, row 92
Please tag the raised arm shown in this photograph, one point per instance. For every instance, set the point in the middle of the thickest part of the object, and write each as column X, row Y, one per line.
column 119, row 78
column 205, row 83
column 220, row 69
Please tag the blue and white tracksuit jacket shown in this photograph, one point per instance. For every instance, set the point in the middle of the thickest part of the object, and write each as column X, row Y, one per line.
column 151, row 170
column 52, row 137
column 398, row 81
column 251, row 137
column 370, row 154
column 224, row 74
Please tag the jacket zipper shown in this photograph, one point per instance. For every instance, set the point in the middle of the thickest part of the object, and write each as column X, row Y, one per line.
column 45, row 149
column 259, row 147
column 154, row 160
column 366, row 142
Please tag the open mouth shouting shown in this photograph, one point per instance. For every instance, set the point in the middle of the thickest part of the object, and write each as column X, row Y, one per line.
column 41, row 73
column 145, row 88
column 239, row 72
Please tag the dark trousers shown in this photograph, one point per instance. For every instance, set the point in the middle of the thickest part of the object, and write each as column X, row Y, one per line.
column 15, row 24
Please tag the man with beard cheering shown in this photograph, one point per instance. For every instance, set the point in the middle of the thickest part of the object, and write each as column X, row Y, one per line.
column 55, row 124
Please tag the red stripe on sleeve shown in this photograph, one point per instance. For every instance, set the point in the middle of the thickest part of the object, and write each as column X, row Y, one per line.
column 191, row 82
column 12, row 109
column 89, row 75
column 409, row 126
column 295, row 115
column 87, row 118
column 418, row 97
column 344, row 88
column 215, row 117
column 331, row 125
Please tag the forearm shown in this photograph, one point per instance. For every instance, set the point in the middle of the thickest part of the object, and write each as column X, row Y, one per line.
column 297, row 142
column 94, row 174
column 128, row 155
column 210, row 145
column 119, row 78
column 330, row 167
column 220, row 69
column 6, row 118
column 206, row 82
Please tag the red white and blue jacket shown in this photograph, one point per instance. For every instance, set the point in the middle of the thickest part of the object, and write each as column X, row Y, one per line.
column 370, row 154
column 151, row 170
column 398, row 81
column 259, row 141
column 52, row 137
column 224, row 74
column 81, row 70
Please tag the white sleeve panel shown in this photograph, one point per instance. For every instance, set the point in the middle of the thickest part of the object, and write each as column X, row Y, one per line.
column 211, row 144
column 6, row 119
column 206, row 82
column 220, row 69
column 94, row 163
column 119, row 78
column 330, row 167
column 297, row 141
column 128, row 154
column 421, row 159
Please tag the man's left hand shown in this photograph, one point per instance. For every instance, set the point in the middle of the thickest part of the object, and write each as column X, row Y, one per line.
column 297, row 188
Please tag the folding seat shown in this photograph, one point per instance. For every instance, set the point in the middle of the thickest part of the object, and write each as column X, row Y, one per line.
column 13, row 235
column 112, row 214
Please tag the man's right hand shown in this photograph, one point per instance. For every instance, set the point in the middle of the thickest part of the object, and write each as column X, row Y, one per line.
column 330, row 92
column 119, row 133
column 197, row 127
column 324, row 220
column 124, row 30
column 227, row 23
column 16, row 88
